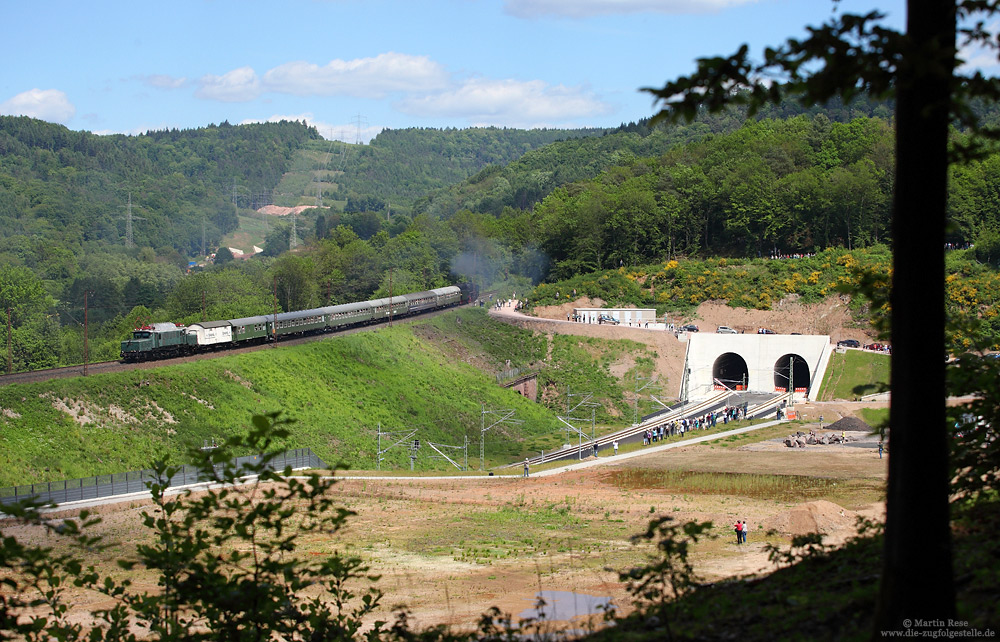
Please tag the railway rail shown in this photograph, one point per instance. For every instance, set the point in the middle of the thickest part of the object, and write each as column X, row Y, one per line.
column 635, row 432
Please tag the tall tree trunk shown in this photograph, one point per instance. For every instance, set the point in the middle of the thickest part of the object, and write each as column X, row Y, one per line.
column 917, row 571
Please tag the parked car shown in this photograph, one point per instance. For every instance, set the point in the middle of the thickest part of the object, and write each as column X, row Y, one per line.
column 764, row 331
column 848, row 343
column 689, row 328
column 606, row 319
column 725, row 329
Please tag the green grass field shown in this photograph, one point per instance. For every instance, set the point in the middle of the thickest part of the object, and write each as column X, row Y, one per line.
column 252, row 231
column 855, row 373
column 875, row 417
column 318, row 160
column 779, row 488
column 339, row 391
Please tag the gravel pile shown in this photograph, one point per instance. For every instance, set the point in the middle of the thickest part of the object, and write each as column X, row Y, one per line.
column 849, row 424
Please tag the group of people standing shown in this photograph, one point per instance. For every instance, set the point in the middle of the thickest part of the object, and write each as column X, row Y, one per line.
column 512, row 302
column 702, row 422
column 794, row 255
column 659, row 432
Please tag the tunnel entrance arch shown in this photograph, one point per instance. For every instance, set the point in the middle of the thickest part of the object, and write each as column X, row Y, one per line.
column 730, row 371
column 791, row 370
column 761, row 362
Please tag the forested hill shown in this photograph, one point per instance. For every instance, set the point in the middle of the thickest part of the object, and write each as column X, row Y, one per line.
column 484, row 169
column 69, row 190
column 402, row 165
column 774, row 186
column 526, row 181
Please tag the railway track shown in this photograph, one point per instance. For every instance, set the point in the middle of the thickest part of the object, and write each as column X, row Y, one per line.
column 634, row 433
column 103, row 367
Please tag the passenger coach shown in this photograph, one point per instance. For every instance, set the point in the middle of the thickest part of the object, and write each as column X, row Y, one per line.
column 168, row 340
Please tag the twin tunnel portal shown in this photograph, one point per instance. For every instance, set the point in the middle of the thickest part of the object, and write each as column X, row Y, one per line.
column 790, row 371
column 756, row 363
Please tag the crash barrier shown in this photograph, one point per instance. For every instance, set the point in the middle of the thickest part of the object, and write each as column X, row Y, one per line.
column 72, row 490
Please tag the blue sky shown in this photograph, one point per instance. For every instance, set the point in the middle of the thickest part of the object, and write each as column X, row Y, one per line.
column 354, row 67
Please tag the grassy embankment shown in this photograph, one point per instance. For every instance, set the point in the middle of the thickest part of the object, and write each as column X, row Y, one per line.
column 339, row 391
column 252, row 231
column 563, row 364
column 855, row 373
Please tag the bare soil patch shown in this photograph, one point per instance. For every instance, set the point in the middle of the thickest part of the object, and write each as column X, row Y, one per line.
column 669, row 359
column 277, row 210
column 448, row 549
column 832, row 317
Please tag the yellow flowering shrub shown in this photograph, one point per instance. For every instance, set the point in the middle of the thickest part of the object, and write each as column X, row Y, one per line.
column 847, row 260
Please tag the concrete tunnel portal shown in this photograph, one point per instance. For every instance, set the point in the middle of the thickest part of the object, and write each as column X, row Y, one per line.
column 763, row 363
column 791, row 371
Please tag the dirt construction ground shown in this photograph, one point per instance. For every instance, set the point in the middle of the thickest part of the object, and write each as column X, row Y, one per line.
column 448, row 549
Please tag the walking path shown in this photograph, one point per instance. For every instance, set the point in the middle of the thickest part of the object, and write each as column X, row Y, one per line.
column 509, row 310
column 589, row 463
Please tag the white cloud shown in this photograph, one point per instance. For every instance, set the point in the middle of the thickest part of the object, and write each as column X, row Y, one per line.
column 363, row 77
column 425, row 88
column 238, row 85
column 984, row 61
column 975, row 57
column 162, row 81
column 45, row 104
column 591, row 8
column 509, row 102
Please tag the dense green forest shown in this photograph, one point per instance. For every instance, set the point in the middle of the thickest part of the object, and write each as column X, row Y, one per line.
column 72, row 189
column 771, row 187
column 588, row 207
column 400, row 166
column 524, row 182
